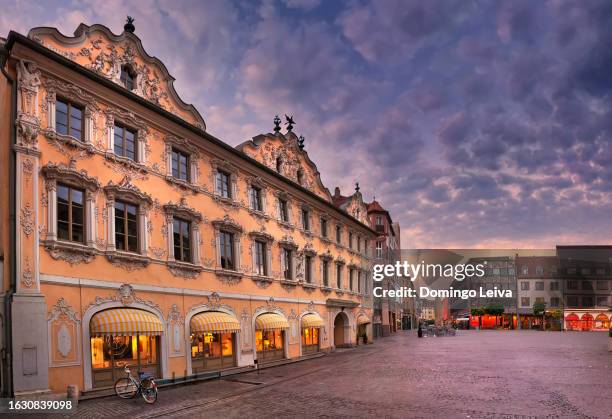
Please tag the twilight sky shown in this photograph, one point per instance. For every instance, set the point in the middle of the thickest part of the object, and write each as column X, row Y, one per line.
column 476, row 123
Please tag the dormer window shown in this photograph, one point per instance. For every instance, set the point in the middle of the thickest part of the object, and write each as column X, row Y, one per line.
column 279, row 164
column 128, row 77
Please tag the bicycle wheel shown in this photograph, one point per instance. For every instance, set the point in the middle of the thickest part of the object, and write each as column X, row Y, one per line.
column 125, row 388
column 150, row 395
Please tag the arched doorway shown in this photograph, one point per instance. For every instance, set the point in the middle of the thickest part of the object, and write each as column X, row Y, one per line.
column 572, row 322
column 602, row 322
column 587, row 322
column 270, row 336
column 342, row 338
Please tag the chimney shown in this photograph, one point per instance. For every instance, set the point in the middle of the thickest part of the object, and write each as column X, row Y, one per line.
column 337, row 192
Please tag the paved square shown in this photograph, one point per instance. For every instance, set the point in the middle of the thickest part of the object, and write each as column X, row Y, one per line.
column 475, row 374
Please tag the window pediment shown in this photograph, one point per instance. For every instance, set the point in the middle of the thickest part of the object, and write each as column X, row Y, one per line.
column 69, row 174
column 183, row 210
column 261, row 235
column 326, row 255
column 125, row 190
column 227, row 223
column 183, row 145
column 224, row 165
column 309, row 250
column 287, row 242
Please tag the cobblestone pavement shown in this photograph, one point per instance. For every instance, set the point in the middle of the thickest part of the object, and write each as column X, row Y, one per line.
column 486, row 374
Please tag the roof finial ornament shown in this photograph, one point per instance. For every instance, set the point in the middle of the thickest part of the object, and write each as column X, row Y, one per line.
column 290, row 122
column 277, row 122
column 301, row 142
column 356, row 186
column 129, row 25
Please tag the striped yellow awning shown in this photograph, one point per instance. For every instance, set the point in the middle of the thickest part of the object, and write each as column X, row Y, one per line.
column 363, row 319
column 125, row 322
column 214, row 322
column 312, row 320
column 271, row 321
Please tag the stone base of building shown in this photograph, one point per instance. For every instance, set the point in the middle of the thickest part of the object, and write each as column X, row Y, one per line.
column 30, row 344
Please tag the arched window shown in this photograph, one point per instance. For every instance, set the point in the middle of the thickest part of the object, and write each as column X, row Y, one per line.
column 602, row 322
column 128, row 77
column 572, row 322
column 279, row 164
column 587, row 322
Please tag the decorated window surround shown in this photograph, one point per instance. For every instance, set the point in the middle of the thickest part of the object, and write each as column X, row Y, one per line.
column 284, row 196
column 309, row 211
column 181, row 210
column 126, row 192
column 129, row 121
column 182, row 145
column 221, row 165
column 76, row 96
column 54, row 173
column 287, row 243
column 230, row 226
column 268, row 239
column 257, row 182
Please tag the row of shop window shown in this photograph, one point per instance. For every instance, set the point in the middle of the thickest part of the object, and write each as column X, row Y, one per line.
column 587, row 322
column 209, row 351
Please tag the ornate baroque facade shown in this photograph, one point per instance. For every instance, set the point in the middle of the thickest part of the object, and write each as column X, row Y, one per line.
column 126, row 209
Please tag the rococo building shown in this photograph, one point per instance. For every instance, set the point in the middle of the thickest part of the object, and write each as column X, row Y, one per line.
column 129, row 234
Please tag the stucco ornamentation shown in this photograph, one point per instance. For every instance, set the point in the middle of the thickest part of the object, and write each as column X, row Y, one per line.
column 26, row 219
column 125, row 295
column 27, row 278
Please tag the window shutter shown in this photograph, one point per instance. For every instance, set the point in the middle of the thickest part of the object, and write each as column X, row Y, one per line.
column 218, row 248
column 238, row 250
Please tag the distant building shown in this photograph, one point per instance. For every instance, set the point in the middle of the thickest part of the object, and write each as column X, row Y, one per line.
column 587, row 286
column 388, row 312
column 539, row 281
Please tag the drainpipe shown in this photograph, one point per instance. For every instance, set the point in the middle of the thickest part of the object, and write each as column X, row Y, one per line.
column 7, row 361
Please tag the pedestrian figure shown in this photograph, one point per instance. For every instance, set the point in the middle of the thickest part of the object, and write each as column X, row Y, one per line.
column 420, row 332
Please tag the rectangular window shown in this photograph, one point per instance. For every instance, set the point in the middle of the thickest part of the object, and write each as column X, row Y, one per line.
column 260, row 258
column 325, row 268
column 587, row 285
column 585, row 271
column 539, row 300
column 70, row 213
column 68, row 119
column 524, row 286
column 305, row 219
column 525, row 301
column 323, row 227
column 587, row 301
column 602, row 285
column 572, row 285
column 308, row 269
column 539, row 270
column 554, row 286
column 284, row 210
column 366, row 245
column 350, row 240
column 572, row 301
column 339, row 276
column 126, row 226
column 539, row 285
column 359, row 244
column 226, row 250
column 554, row 301
column 379, row 250
column 338, row 234
column 351, row 279
column 571, row 270
column 379, row 220
column 256, row 201
column 182, row 239
column 224, row 188
column 286, row 255
column 125, row 142
column 602, row 301
column 180, row 165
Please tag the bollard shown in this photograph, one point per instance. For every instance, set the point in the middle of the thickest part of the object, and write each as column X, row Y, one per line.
column 72, row 393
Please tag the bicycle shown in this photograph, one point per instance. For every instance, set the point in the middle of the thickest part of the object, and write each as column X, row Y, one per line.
column 128, row 387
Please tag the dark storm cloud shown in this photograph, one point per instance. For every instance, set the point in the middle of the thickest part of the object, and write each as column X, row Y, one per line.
column 476, row 123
